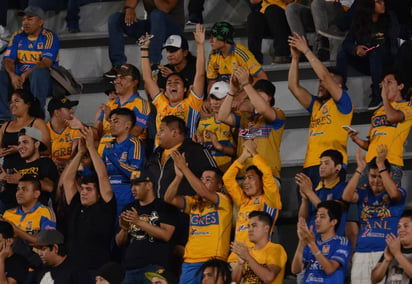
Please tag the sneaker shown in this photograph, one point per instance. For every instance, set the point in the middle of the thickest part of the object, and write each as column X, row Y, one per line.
column 112, row 73
column 281, row 60
column 333, row 32
column 190, row 23
column 375, row 103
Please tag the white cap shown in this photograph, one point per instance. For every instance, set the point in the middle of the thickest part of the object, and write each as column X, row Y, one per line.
column 219, row 89
column 176, row 41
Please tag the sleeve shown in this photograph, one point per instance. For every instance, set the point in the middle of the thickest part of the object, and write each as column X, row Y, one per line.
column 101, row 116
column 279, row 120
column 271, row 191
column 403, row 195
column 195, row 101
column 232, row 187
column 344, row 104
column 12, row 48
column 159, row 100
column 406, row 110
column 76, row 134
column 250, row 63
column 342, row 252
column 48, row 169
column 307, row 256
column 188, row 203
column 48, row 221
column 51, row 47
column 310, row 108
column 212, row 73
column 201, row 127
column 142, row 115
column 199, row 159
column 135, row 158
column 278, row 256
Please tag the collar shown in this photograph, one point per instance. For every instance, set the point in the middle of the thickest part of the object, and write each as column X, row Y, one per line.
column 132, row 98
column 20, row 209
column 321, row 185
column 232, row 47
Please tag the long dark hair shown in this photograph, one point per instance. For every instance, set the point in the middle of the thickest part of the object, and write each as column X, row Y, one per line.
column 363, row 18
column 35, row 108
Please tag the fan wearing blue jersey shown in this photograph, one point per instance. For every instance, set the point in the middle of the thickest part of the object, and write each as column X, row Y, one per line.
column 326, row 256
column 123, row 156
column 380, row 204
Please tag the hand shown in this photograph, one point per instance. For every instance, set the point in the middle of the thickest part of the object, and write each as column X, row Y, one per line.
column 16, row 81
column 14, row 177
column 394, row 244
column 88, row 136
column 361, row 50
column 122, row 223
column 241, row 250
column 74, row 123
column 305, row 233
column 198, row 139
column 381, row 154
column 388, row 256
column 242, row 75
column 199, row 34
column 146, row 41
column 353, row 135
column 5, row 249
column 24, row 76
column 130, row 17
column 245, row 155
column 295, row 53
column 3, row 173
column 106, row 110
column 299, row 42
column 304, row 183
column 179, row 160
column 11, row 149
column 61, row 164
column 360, row 160
column 233, row 84
column 251, row 146
column 131, row 216
column 165, row 71
column 214, row 140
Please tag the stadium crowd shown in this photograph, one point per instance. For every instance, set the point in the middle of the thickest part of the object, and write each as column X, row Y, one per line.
column 185, row 186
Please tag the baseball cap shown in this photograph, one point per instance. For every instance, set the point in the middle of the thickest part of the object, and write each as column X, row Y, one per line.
column 35, row 134
column 175, row 42
column 140, row 176
column 55, row 103
column 129, row 70
column 162, row 274
column 223, row 31
column 49, row 237
column 219, row 89
column 112, row 272
column 32, row 11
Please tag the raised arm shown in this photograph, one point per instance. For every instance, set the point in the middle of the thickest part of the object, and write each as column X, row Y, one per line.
column 390, row 186
column 106, row 191
column 379, row 272
column 171, row 195
column 260, row 105
column 225, row 112
column 299, row 42
column 306, row 188
column 297, row 262
column 300, row 93
column 199, row 80
column 193, row 180
column 349, row 194
column 150, row 85
column 393, row 115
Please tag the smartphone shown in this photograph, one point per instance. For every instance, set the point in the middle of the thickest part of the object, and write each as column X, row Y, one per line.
column 348, row 128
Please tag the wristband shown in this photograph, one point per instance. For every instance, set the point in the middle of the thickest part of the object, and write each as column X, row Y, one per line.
column 383, row 170
column 127, row 7
column 144, row 48
column 245, row 84
column 318, row 253
column 306, row 51
column 229, row 94
column 359, row 172
column 144, row 56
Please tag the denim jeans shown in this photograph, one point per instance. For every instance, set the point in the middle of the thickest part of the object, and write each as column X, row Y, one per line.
column 40, row 87
column 164, row 26
column 299, row 18
column 137, row 275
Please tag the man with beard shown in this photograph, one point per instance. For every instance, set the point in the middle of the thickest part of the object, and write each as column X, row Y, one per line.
column 330, row 109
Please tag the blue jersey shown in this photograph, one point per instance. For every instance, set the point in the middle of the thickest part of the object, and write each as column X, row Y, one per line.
column 332, row 192
column 378, row 217
column 27, row 51
column 337, row 248
column 122, row 159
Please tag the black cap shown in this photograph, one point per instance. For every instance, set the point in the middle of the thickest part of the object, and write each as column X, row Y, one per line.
column 112, row 272
column 265, row 86
column 55, row 103
column 140, row 176
column 49, row 237
column 223, row 31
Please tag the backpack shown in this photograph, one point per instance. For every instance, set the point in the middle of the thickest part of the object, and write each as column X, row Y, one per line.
column 64, row 83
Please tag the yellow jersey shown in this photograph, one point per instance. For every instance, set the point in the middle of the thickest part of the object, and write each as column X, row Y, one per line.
column 62, row 142
column 325, row 128
column 209, row 228
column 269, row 201
column 393, row 135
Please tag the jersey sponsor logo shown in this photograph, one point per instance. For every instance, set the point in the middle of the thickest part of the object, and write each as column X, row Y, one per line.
column 211, row 218
column 195, row 232
column 315, row 134
column 26, row 56
column 313, row 278
column 382, row 120
column 324, row 120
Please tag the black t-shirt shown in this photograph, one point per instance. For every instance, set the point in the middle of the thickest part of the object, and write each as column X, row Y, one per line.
column 90, row 231
column 188, row 73
column 144, row 249
column 16, row 268
column 43, row 168
column 66, row 273
column 395, row 273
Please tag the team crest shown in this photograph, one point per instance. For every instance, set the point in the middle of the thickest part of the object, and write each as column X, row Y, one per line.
column 325, row 249
column 31, row 46
column 40, row 45
column 124, row 156
column 20, row 44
